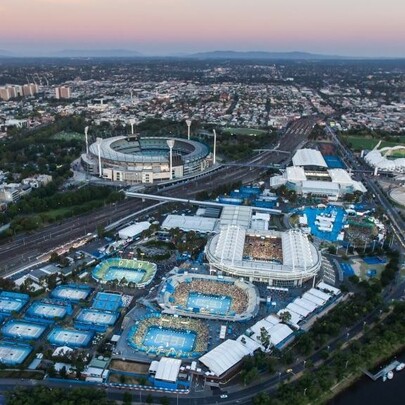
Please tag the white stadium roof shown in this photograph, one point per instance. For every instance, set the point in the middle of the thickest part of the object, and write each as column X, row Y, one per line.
column 133, row 230
column 190, row 223
column 295, row 174
column 326, row 287
column 308, row 157
column 301, row 259
column 236, row 215
column 226, row 355
column 230, row 243
column 168, row 369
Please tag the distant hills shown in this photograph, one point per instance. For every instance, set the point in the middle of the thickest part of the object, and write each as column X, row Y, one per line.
column 5, row 54
column 262, row 55
column 96, row 53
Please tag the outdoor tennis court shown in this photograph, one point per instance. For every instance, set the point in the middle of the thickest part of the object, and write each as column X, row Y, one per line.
column 49, row 310
column 96, row 317
column 374, row 260
column 212, row 303
column 70, row 293
column 157, row 337
column 20, row 329
column 347, row 269
column 69, row 337
column 7, row 305
column 13, row 354
column 333, row 162
column 118, row 273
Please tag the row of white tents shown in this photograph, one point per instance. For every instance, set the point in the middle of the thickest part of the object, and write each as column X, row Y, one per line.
column 229, row 353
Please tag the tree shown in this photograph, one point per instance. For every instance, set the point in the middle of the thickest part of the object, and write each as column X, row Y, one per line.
column 285, row 316
column 264, row 338
column 149, row 399
column 165, row 401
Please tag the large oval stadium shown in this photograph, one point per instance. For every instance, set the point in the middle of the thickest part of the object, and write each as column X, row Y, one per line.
column 277, row 258
column 145, row 159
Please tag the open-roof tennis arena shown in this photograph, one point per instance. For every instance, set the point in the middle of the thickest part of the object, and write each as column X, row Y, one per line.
column 277, row 258
column 163, row 335
column 135, row 159
column 138, row 272
column 204, row 296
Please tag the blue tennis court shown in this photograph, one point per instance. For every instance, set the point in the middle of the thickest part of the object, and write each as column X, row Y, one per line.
column 157, row 337
column 212, row 303
column 118, row 273
column 333, row 162
column 347, row 269
column 374, row 260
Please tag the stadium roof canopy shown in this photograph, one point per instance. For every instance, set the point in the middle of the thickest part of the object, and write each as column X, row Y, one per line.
column 308, row 157
column 168, row 369
column 190, row 223
column 133, row 230
column 223, row 357
column 236, row 215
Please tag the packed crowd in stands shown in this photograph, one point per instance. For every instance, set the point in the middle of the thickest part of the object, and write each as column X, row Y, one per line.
column 239, row 297
column 263, row 248
column 137, row 337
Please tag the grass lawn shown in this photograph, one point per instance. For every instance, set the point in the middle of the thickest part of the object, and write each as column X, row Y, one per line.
column 362, row 142
column 244, row 131
column 67, row 136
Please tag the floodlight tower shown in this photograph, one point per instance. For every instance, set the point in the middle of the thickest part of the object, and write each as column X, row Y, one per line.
column 170, row 144
column 132, row 122
column 99, row 156
column 86, row 130
column 188, row 123
column 214, row 160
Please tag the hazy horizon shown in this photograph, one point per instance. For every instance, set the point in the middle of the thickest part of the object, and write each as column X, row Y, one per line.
column 364, row 28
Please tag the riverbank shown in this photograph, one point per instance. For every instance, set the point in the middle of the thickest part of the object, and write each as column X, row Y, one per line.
column 352, row 379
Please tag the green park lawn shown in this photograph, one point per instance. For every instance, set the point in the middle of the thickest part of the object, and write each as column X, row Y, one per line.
column 67, row 136
column 362, row 142
column 244, row 131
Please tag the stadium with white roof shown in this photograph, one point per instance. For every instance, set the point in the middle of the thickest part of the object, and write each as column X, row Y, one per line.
column 381, row 159
column 277, row 258
column 310, row 175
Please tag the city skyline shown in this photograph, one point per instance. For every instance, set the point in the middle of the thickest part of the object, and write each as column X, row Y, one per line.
column 169, row 27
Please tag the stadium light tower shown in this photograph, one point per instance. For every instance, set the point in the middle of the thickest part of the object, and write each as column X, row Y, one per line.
column 132, row 122
column 215, row 147
column 86, row 130
column 170, row 144
column 188, row 123
column 99, row 157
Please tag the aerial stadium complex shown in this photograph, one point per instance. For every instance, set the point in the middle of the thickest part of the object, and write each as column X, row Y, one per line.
column 133, row 159
column 137, row 272
column 277, row 258
column 163, row 335
column 209, row 297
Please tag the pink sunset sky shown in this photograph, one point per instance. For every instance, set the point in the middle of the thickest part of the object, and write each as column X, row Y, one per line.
column 344, row 27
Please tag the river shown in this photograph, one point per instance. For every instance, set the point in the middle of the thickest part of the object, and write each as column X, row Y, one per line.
column 366, row 391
